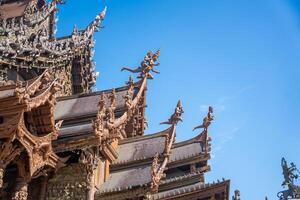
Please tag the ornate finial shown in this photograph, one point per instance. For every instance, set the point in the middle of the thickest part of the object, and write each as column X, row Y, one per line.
column 207, row 120
column 176, row 116
column 112, row 98
column 98, row 123
column 204, row 138
column 290, row 173
column 130, row 82
column 101, row 103
column 147, row 65
column 103, row 13
column 237, row 195
column 128, row 99
column 110, row 111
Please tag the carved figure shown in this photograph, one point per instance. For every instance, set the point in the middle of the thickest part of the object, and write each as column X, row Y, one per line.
column 154, row 173
column 98, row 124
column 146, row 66
column 289, row 174
column 207, row 120
column 90, row 161
column 204, row 138
column 176, row 116
column 237, row 195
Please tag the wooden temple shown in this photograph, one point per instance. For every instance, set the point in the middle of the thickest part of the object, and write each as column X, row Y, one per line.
column 60, row 140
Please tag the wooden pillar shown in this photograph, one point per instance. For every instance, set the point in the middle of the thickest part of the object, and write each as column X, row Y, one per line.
column 44, row 183
column 21, row 189
column 91, row 189
column 106, row 171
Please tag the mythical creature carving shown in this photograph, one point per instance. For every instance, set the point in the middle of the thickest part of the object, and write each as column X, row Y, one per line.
column 110, row 112
column 290, row 173
column 237, row 195
column 207, row 120
column 98, row 123
column 147, row 65
column 204, row 138
column 176, row 116
column 128, row 97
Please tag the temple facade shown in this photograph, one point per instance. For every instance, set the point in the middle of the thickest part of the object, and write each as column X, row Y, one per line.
column 60, row 140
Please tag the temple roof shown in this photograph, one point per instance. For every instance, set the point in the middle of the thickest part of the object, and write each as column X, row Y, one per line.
column 140, row 148
column 185, row 151
column 132, row 169
column 196, row 191
column 77, row 106
column 127, row 179
column 28, row 41
column 79, row 113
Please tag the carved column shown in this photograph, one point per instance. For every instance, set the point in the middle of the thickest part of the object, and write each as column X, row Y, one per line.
column 90, row 160
column 21, row 189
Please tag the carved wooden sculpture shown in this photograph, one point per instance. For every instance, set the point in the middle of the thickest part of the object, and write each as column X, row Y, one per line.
column 176, row 116
column 290, row 173
column 237, row 195
column 147, row 65
column 207, row 120
column 204, row 137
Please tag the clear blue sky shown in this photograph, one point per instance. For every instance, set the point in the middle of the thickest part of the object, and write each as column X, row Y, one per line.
column 242, row 57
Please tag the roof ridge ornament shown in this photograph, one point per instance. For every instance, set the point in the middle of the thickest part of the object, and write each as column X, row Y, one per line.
column 290, row 173
column 146, row 66
column 237, row 195
column 176, row 116
column 205, row 124
column 207, row 120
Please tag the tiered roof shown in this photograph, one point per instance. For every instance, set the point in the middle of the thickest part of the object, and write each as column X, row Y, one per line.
column 29, row 46
column 52, row 125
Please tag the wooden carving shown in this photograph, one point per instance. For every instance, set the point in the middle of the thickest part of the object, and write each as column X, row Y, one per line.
column 204, row 138
column 98, row 123
column 90, row 161
column 128, row 97
column 110, row 112
column 176, row 116
column 8, row 152
column 207, row 120
column 147, row 65
column 155, row 174
column 20, row 133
